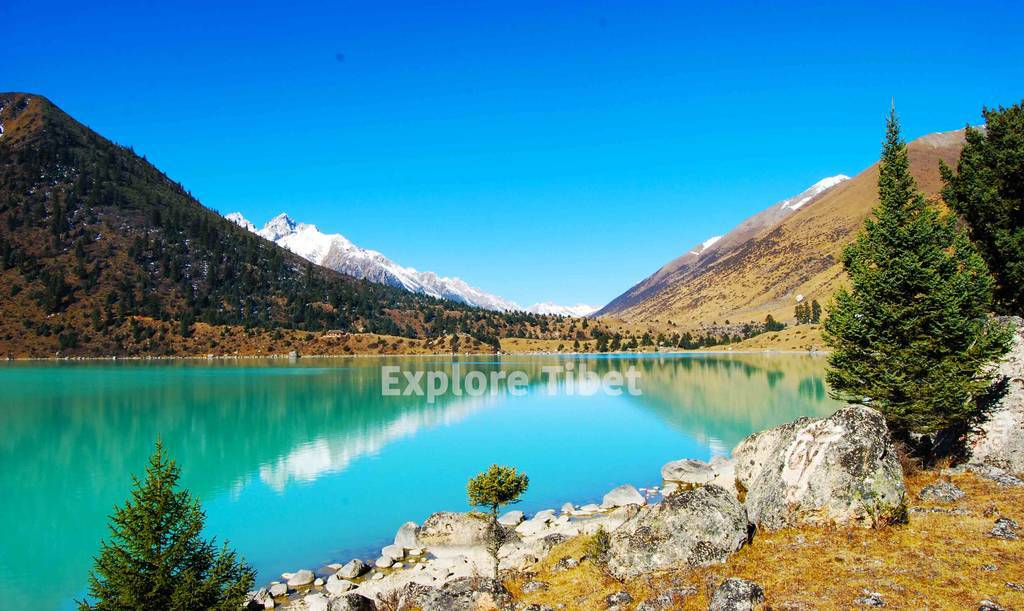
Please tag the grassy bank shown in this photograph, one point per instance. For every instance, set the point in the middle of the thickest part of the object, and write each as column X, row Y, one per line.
column 938, row 560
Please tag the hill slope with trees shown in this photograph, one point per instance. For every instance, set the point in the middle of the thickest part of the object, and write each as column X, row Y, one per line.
column 103, row 254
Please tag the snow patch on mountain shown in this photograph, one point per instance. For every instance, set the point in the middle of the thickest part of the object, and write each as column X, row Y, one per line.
column 706, row 244
column 794, row 203
column 579, row 310
column 336, row 252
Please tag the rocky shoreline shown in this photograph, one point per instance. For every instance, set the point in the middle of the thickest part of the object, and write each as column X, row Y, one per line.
column 841, row 471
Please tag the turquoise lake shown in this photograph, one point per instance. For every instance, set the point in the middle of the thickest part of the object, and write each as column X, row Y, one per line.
column 302, row 463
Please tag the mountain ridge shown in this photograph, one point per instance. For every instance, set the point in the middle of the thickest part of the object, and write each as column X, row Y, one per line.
column 790, row 248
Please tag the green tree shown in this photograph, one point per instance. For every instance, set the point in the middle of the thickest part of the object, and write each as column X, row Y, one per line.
column 987, row 190
column 156, row 557
column 815, row 312
column 912, row 336
column 491, row 490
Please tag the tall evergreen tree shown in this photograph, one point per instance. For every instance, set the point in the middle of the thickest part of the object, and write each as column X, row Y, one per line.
column 156, row 557
column 912, row 336
column 987, row 190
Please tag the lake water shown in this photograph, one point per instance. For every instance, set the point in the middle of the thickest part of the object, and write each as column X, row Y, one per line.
column 304, row 463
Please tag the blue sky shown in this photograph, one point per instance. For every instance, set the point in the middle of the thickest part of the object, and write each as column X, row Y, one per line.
column 541, row 151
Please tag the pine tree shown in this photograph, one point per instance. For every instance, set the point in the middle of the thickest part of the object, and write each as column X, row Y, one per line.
column 491, row 490
column 987, row 190
column 815, row 312
column 912, row 337
column 156, row 557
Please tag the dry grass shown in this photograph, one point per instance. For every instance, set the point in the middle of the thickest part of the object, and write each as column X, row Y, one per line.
column 936, row 561
column 802, row 338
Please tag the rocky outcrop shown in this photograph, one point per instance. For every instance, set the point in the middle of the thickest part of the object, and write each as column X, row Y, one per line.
column 737, row 595
column 999, row 442
column 695, row 527
column 840, row 469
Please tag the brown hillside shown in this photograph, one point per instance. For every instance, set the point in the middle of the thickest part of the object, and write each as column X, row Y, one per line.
column 798, row 255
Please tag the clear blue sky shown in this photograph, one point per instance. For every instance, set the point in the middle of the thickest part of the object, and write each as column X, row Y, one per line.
column 541, row 151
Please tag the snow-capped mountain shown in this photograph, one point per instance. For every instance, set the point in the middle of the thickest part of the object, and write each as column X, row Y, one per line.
column 579, row 310
column 336, row 252
column 813, row 191
column 705, row 254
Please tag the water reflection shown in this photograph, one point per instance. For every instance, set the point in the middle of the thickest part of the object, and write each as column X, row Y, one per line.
column 274, row 448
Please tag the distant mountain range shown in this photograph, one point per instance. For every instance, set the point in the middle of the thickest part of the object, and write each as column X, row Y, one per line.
column 788, row 251
column 335, row 251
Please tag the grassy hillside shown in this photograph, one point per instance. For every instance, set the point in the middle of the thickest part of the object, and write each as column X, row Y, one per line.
column 102, row 254
column 763, row 274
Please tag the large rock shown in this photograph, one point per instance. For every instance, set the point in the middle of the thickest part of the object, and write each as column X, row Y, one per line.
column 300, row 578
column 406, row 535
column 840, row 469
column 1000, row 439
column 695, row 527
column 454, row 529
column 336, row 585
column 511, row 518
column 352, row 569
column 737, row 595
column 622, row 496
column 720, row 471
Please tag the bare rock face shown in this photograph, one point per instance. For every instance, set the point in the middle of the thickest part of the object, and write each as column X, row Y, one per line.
column 453, row 529
column 696, row 527
column 1000, row 440
column 840, row 469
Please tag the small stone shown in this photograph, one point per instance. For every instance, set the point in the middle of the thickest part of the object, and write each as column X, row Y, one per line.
column 318, row 582
column 617, row 600
column 941, row 492
column 565, row 564
column 377, row 576
column 737, row 595
column 589, row 509
column 869, row 599
column 383, row 562
column 534, row 586
column 395, row 552
column 415, row 551
column 1005, row 528
column 669, row 600
column 301, row 578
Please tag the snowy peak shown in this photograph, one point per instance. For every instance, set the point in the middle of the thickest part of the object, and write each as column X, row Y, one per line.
column 241, row 221
column 794, row 203
column 579, row 310
column 336, row 252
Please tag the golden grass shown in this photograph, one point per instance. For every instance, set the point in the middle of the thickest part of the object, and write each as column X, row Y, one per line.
column 935, row 561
